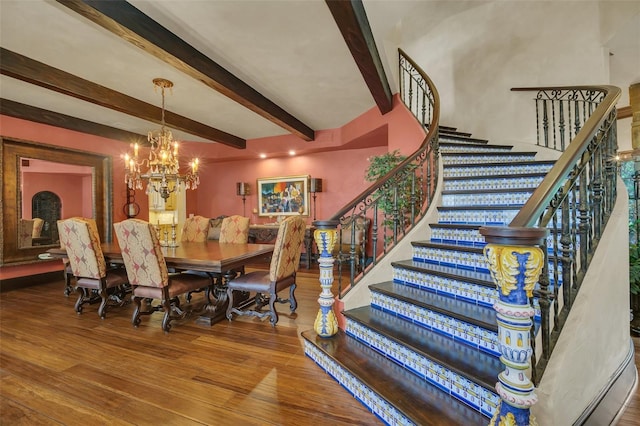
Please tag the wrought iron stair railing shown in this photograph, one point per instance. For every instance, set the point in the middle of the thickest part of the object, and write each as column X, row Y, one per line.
column 397, row 201
column 574, row 200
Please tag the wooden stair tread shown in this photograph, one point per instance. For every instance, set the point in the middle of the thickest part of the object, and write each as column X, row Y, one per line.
column 493, row 177
column 503, row 164
column 480, row 154
column 455, row 226
column 482, row 316
column 445, row 246
column 486, row 191
column 475, row 207
column 462, row 137
column 476, row 145
column 477, row 366
column 454, row 133
column 417, row 399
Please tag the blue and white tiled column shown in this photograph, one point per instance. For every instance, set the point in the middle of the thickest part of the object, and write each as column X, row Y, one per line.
column 515, row 262
column 325, row 235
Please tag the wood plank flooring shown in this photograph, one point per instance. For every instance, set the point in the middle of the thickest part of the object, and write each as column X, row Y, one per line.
column 57, row 367
column 60, row 368
column 631, row 414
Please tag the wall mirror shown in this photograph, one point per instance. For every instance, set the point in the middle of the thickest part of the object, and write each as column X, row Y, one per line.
column 43, row 183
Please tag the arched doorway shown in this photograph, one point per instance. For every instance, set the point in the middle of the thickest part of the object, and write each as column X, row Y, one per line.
column 47, row 206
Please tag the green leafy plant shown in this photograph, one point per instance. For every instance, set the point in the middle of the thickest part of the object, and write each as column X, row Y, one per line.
column 634, row 263
column 634, row 269
column 379, row 166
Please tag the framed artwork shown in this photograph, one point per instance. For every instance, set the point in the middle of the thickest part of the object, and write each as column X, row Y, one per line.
column 283, row 196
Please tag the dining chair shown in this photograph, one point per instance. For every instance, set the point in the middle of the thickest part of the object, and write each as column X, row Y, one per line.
column 281, row 274
column 38, row 224
column 148, row 274
column 80, row 238
column 235, row 230
column 25, row 233
column 195, row 229
column 68, row 273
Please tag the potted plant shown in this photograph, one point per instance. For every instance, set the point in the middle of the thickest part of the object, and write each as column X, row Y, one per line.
column 634, row 276
column 634, row 287
column 379, row 166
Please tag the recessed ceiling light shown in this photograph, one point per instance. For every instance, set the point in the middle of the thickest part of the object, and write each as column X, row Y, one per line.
column 292, row 152
column 263, row 155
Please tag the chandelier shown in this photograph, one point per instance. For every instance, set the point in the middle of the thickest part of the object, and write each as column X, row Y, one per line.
column 162, row 173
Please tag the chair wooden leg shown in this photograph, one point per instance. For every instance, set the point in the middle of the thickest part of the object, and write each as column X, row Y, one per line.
column 273, row 298
column 103, row 304
column 68, row 288
column 135, row 319
column 166, row 320
column 229, row 314
column 81, row 298
column 293, row 303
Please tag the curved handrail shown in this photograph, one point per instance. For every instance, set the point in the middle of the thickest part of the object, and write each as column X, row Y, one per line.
column 418, row 171
column 542, row 196
column 573, row 202
column 432, row 129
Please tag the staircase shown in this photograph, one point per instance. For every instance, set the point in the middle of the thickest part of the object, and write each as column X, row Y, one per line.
column 425, row 350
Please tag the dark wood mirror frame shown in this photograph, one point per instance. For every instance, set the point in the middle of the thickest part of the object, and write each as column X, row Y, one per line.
column 10, row 208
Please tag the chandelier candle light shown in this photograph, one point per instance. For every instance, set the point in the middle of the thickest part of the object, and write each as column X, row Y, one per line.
column 163, row 171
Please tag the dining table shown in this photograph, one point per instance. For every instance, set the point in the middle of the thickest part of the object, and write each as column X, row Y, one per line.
column 221, row 260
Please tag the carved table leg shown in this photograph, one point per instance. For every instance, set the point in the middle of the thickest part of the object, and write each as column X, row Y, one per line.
column 215, row 310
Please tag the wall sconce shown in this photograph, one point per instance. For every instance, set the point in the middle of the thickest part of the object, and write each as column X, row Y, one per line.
column 242, row 188
column 131, row 208
column 315, row 186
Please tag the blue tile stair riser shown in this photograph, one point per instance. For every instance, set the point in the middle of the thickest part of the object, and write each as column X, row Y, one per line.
column 452, row 184
column 477, row 337
column 436, row 374
column 498, row 169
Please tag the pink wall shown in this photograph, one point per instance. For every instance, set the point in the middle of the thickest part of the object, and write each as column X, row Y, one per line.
column 74, row 203
column 338, row 156
column 342, row 174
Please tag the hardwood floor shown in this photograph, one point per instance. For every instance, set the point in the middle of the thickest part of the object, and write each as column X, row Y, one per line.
column 631, row 414
column 57, row 367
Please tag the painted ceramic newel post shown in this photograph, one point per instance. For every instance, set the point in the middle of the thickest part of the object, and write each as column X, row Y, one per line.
column 326, row 324
column 515, row 262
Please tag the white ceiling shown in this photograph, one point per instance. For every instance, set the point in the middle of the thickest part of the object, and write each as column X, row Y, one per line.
column 290, row 51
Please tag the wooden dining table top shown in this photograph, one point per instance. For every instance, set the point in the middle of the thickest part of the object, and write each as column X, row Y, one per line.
column 208, row 256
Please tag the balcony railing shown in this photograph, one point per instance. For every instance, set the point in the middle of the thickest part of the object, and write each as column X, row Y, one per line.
column 397, row 201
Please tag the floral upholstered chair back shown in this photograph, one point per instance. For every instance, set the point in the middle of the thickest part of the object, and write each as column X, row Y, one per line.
column 142, row 253
column 38, row 224
column 234, row 229
column 25, row 233
column 195, row 229
column 79, row 236
column 288, row 247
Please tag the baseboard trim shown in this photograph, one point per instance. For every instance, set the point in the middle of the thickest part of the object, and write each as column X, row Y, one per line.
column 29, row 280
column 609, row 405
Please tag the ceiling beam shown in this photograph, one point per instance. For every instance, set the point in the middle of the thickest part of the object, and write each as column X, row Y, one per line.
column 39, row 115
column 22, row 68
column 354, row 26
column 129, row 23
